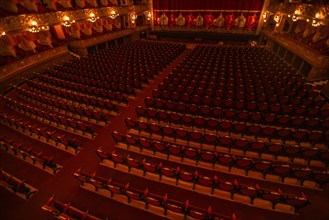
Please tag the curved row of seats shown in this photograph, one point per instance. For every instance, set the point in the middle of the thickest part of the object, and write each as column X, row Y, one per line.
column 253, row 74
column 204, row 84
column 88, row 101
column 98, row 80
column 228, row 160
column 198, row 138
column 66, row 211
column 238, row 114
column 269, row 107
column 50, row 118
column 41, row 133
column 149, row 199
column 38, row 159
column 215, row 126
column 16, row 185
column 213, row 183
column 305, row 155
column 124, row 89
column 144, row 58
column 58, row 106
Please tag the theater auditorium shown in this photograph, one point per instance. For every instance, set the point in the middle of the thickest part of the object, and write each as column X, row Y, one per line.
column 164, row 109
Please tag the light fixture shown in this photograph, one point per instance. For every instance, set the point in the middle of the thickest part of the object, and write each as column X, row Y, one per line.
column 113, row 14
column 294, row 18
column 315, row 23
column 276, row 18
column 34, row 28
column 317, row 15
column 307, row 20
column 264, row 16
column 66, row 21
column 133, row 18
column 3, row 33
column 148, row 15
column 92, row 17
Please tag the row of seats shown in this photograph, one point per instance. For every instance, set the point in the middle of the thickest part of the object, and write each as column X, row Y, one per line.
column 213, row 183
column 149, row 199
column 33, row 130
column 91, row 79
column 124, row 89
column 256, row 61
column 215, row 126
column 88, row 101
column 66, row 211
column 272, row 107
column 184, row 75
column 190, row 84
column 311, row 156
column 200, row 138
column 52, row 119
column 105, row 73
column 93, row 88
column 265, row 167
column 30, row 155
column 98, row 87
column 239, row 115
column 142, row 57
column 16, row 185
column 253, row 74
column 181, row 81
column 81, row 112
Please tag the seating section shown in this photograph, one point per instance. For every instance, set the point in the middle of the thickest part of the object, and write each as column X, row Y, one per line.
column 52, row 119
column 213, row 183
column 15, row 185
column 224, row 142
column 66, row 211
column 265, row 169
column 229, row 126
column 50, row 136
column 146, row 198
column 28, row 154
column 230, row 111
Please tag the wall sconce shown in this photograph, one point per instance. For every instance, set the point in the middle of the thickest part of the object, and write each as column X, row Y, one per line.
column 66, row 21
column 133, row 18
column 294, row 18
column 92, row 17
column 148, row 15
column 34, row 28
column 315, row 23
column 3, row 33
column 45, row 28
column 317, row 15
column 276, row 18
column 113, row 14
column 264, row 16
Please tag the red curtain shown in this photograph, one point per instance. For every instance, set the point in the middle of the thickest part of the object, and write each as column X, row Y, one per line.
column 208, row 4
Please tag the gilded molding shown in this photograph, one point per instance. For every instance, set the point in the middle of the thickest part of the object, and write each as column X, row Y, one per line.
column 25, row 63
column 306, row 53
column 20, row 23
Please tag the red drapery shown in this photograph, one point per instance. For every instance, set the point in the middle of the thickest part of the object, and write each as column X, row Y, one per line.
column 208, row 4
column 209, row 10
